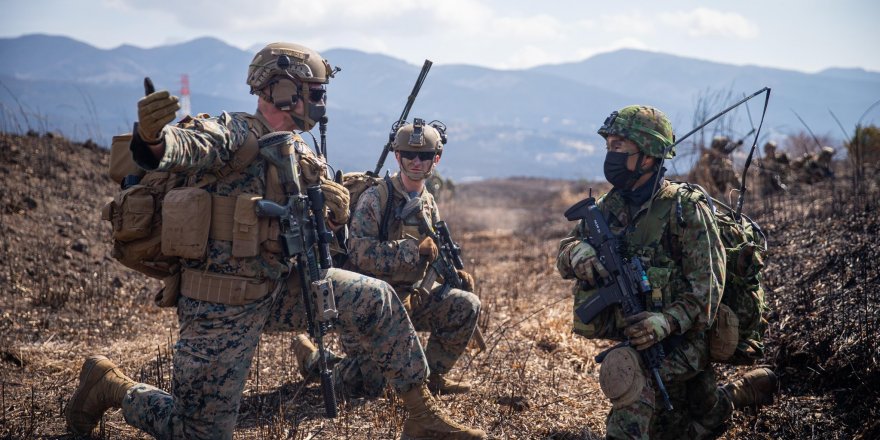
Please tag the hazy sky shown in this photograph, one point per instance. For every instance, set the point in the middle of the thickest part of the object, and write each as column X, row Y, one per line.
column 804, row 35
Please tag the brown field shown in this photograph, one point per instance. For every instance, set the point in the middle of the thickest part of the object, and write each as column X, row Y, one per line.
column 62, row 297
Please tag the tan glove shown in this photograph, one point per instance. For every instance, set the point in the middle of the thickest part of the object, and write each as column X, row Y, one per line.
column 585, row 264
column 154, row 111
column 428, row 248
column 467, row 281
column 646, row 329
column 312, row 168
column 336, row 198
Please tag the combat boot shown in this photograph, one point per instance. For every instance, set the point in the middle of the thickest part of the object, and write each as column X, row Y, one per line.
column 306, row 355
column 102, row 386
column 426, row 419
column 756, row 388
column 440, row 384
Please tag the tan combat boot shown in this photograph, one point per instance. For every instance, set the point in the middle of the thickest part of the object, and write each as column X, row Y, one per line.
column 306, row 355
column 427, row 421
column 102, row 386
column 756, row 388
column 440, row 384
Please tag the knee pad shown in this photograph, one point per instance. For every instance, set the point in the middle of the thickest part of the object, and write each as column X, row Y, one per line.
column 621, row 377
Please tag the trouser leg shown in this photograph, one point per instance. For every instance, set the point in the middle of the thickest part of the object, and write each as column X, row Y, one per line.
column 212, row 359
column 372, row 318
column 451, row 321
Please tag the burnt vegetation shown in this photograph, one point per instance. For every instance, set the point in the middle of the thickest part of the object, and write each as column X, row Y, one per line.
column 63, row 298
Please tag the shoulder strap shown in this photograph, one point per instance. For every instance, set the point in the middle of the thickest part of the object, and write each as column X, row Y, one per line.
column 653, row 223
column 385, row 197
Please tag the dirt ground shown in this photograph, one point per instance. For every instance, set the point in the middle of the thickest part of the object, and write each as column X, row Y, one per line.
column 63, row 298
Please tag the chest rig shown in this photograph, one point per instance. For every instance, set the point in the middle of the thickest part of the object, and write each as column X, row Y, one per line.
column 652, row 236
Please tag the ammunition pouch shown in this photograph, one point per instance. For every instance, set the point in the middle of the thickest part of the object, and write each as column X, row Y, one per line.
column 186, row 222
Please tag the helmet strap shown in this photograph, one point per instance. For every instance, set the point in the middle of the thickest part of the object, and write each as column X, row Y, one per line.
column 416, row 176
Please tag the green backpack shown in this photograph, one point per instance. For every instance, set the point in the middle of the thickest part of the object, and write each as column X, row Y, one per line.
column 737, row 334
column 745, row 245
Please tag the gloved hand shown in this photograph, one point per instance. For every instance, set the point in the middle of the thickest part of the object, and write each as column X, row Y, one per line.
column 646, row 329
column 467, row 281
column 154, row 111
column 585, row 264
column 337, row 198
column 428, row 248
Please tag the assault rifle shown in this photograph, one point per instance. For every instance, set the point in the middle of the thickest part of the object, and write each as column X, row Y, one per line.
column 305, row 239
column 626, row 285
column 402, row 119
column 734, row 145
column 446, row 265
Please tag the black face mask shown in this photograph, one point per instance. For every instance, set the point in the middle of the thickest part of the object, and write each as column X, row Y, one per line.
column 616, row 172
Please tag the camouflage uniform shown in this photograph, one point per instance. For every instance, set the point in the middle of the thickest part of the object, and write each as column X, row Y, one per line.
column 675, row 236
column 687, row 263
column 774, row 170
column 817, row 166
column 450, row 319
column 714, row 171
column 216, row 345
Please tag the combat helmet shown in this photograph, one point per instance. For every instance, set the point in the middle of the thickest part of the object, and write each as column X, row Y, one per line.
column 827, row 152
column 299, row 64
column 648, row 127
column 720, row 142
column 420, row 137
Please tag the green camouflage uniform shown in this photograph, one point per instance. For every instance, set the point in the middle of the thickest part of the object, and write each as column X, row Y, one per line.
column 450, row 319
column 686, row 262
column 216, row 344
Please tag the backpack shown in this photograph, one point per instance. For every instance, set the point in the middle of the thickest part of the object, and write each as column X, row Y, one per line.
column 736, row 335
column 357, row 184
column 137, row 211
column 745, row 244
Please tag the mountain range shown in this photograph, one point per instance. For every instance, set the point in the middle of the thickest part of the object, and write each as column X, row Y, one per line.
column 540, row 121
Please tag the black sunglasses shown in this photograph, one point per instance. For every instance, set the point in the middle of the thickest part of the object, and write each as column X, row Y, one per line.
column 317, row 95
column 423, row 155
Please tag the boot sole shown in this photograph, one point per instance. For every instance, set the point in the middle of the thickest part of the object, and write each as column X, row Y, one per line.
column 78, row 421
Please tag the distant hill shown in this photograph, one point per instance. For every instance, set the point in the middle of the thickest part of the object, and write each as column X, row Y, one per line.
column 539, row 121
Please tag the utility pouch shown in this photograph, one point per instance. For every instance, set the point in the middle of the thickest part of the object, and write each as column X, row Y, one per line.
column 724, row 335
column 121, row 162
column 245, row 227
column 168, row 295
column 131, row 213
column 186, row 222
column 658, row 278
column 222, row 289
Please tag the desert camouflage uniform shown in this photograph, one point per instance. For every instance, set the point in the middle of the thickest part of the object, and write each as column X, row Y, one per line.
column 451, row 319
column 687, row 264
column 216, row 345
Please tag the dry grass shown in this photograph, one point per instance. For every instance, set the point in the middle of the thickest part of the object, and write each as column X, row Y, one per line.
column 61, row 301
